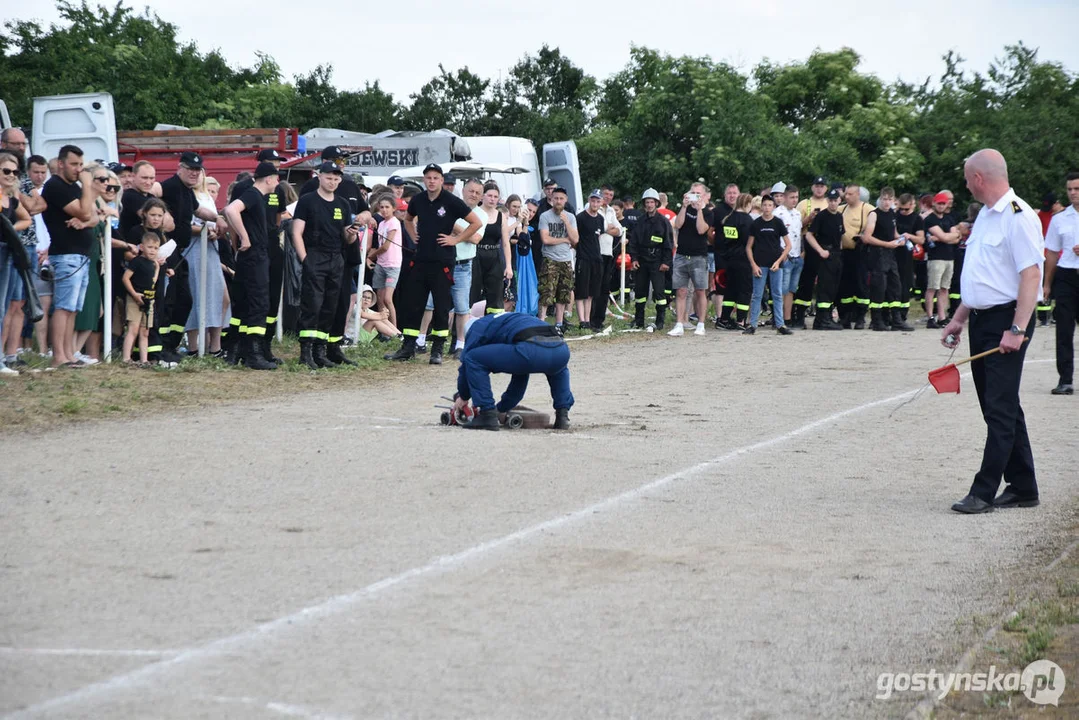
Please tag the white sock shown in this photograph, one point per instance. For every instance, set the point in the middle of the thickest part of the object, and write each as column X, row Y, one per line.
column 459, row 345
column 421, row 340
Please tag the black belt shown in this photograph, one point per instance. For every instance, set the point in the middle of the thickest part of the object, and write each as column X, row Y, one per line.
column 463, row 262
column 489, row 248
column 994, row 309
column 536, row 331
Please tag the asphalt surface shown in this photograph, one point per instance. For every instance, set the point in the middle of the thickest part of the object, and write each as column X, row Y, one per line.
column 735, row 527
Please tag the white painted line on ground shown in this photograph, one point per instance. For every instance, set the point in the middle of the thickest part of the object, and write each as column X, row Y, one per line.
column 89, row 652
column 280, row 708
column 342, row 603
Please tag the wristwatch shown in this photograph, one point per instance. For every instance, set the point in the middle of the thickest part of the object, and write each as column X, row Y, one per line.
column 1016, row 330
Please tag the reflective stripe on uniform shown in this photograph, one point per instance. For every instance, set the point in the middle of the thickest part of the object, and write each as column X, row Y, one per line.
column 440, row 333
column 256, row 331
column 807, row 303
column 334, row 339
column 408, row 332
column 304, row 334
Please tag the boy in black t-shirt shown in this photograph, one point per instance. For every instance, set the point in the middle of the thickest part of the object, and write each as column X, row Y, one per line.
column 591, row 223
column 767, row 248
column 140, row 279
column 825, row 235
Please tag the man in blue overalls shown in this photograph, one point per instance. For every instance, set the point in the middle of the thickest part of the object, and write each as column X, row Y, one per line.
column 519, row 345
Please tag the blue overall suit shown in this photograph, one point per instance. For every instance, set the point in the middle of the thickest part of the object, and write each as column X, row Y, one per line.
column 519, row 345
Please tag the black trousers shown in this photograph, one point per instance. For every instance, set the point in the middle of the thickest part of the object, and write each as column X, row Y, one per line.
column 425, row 279
column 921, row 279
column 804, row 296
column 883, row 279
column 1066, row 293
column 905, row 261
column 488, row 271
column 586, row 279
column 319, row 290
column 957, row 272
column 276, row 255
column 854, row 282
column 1007, row 451
column 649, row 274
column 829, row 272
column 253, row 267
column 603, row 299
column 739, row 288
column 344, row 299
column 177, row 307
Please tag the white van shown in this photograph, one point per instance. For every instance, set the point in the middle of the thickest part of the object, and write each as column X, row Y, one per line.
column 559, row 163
column 87, row 120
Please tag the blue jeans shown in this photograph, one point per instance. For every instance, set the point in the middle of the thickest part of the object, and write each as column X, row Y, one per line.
column 519, row 360
column 6, row 271
column 72, row 277
column 775, row 281
column 792, row 273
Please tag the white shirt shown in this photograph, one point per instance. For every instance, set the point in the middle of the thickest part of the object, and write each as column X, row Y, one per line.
column 606, row 240
column 1063, row 235
column 1006, row 239
column 793, row 220
column 467, row 250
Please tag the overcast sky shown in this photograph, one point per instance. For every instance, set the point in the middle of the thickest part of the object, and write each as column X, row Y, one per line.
column 401, row 44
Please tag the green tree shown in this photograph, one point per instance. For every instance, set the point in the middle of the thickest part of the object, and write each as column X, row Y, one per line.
column 826, row 85
column 449, row 100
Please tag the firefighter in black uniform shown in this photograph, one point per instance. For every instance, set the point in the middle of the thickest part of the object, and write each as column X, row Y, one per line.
column 651, row 245
column 882, row 241
column 908, row 223
column 246, row 216
column 276, row 201
column 825, row 236
column 321, row 228
column 348, row 190
column 431, row 272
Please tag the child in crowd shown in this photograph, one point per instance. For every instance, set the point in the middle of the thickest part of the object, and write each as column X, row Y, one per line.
column 139, row 280
column 375, row 323
column 387, row 257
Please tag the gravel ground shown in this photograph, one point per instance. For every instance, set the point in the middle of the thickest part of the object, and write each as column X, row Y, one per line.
column 735, row 527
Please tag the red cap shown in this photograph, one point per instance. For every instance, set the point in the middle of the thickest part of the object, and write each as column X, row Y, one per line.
column 941, row 198
column 401, row 204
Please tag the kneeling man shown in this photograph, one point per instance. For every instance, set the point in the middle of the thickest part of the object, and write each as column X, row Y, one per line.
column 519, row 345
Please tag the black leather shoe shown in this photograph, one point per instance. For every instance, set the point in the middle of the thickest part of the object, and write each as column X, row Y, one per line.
column 971, row 505
column 1008, row 499
column 561, row 419
column 1062, row 389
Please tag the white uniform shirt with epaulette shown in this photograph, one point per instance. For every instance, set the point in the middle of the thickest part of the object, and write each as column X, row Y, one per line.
column 1006, row 239
column 1063, row 237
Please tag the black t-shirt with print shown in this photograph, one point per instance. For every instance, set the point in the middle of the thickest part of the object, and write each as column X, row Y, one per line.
column 324, row 222
column 589, row 228
column 436, row 217
column 827, row 228
column 690, row 242
column 64, row 240
column 735, row 231
column 347, row 190
column 941, row 251
column 275, row 202
column 767, row 240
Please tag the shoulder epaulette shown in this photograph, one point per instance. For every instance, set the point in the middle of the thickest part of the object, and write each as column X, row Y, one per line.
column 1015, row 207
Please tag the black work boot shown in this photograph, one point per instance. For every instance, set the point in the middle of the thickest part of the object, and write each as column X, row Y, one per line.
column 254, row 359
column 267, row 350
column 638, row 316
column 335, row 354
column 661, row 316
column 859, row 317
column 318, row 352
column 899, row 322
column 407, row 351
column 436, row 357
column 877, row 322
column 484, row 420
column 306, row 354
column 798, row 321
column 230, row 343
column 561, row 419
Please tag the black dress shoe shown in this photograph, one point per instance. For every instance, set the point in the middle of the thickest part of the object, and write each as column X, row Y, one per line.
column 1008, row 499
column 1062, row 389
column 971, row 505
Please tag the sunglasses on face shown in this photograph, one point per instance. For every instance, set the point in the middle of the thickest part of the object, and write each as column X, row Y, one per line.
column 8, row 171
column 101, row 179
column 112, row 188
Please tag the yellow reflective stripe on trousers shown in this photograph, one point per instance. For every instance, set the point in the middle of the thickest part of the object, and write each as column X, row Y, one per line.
column 256, row 331
column 408, row 332
column 334, row 338
column 806, row 303
column 743, row 307
column 234, row 321
column 271, row 320
column 305, row 334
column 440, row 333
column 495, row 311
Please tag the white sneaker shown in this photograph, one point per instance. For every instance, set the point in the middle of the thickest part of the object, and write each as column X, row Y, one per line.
column 677, row 330
column 85, row 359
column 5, row 370
column 700, row 329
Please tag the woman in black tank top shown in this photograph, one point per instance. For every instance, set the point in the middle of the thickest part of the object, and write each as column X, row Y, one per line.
column 489, row 268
